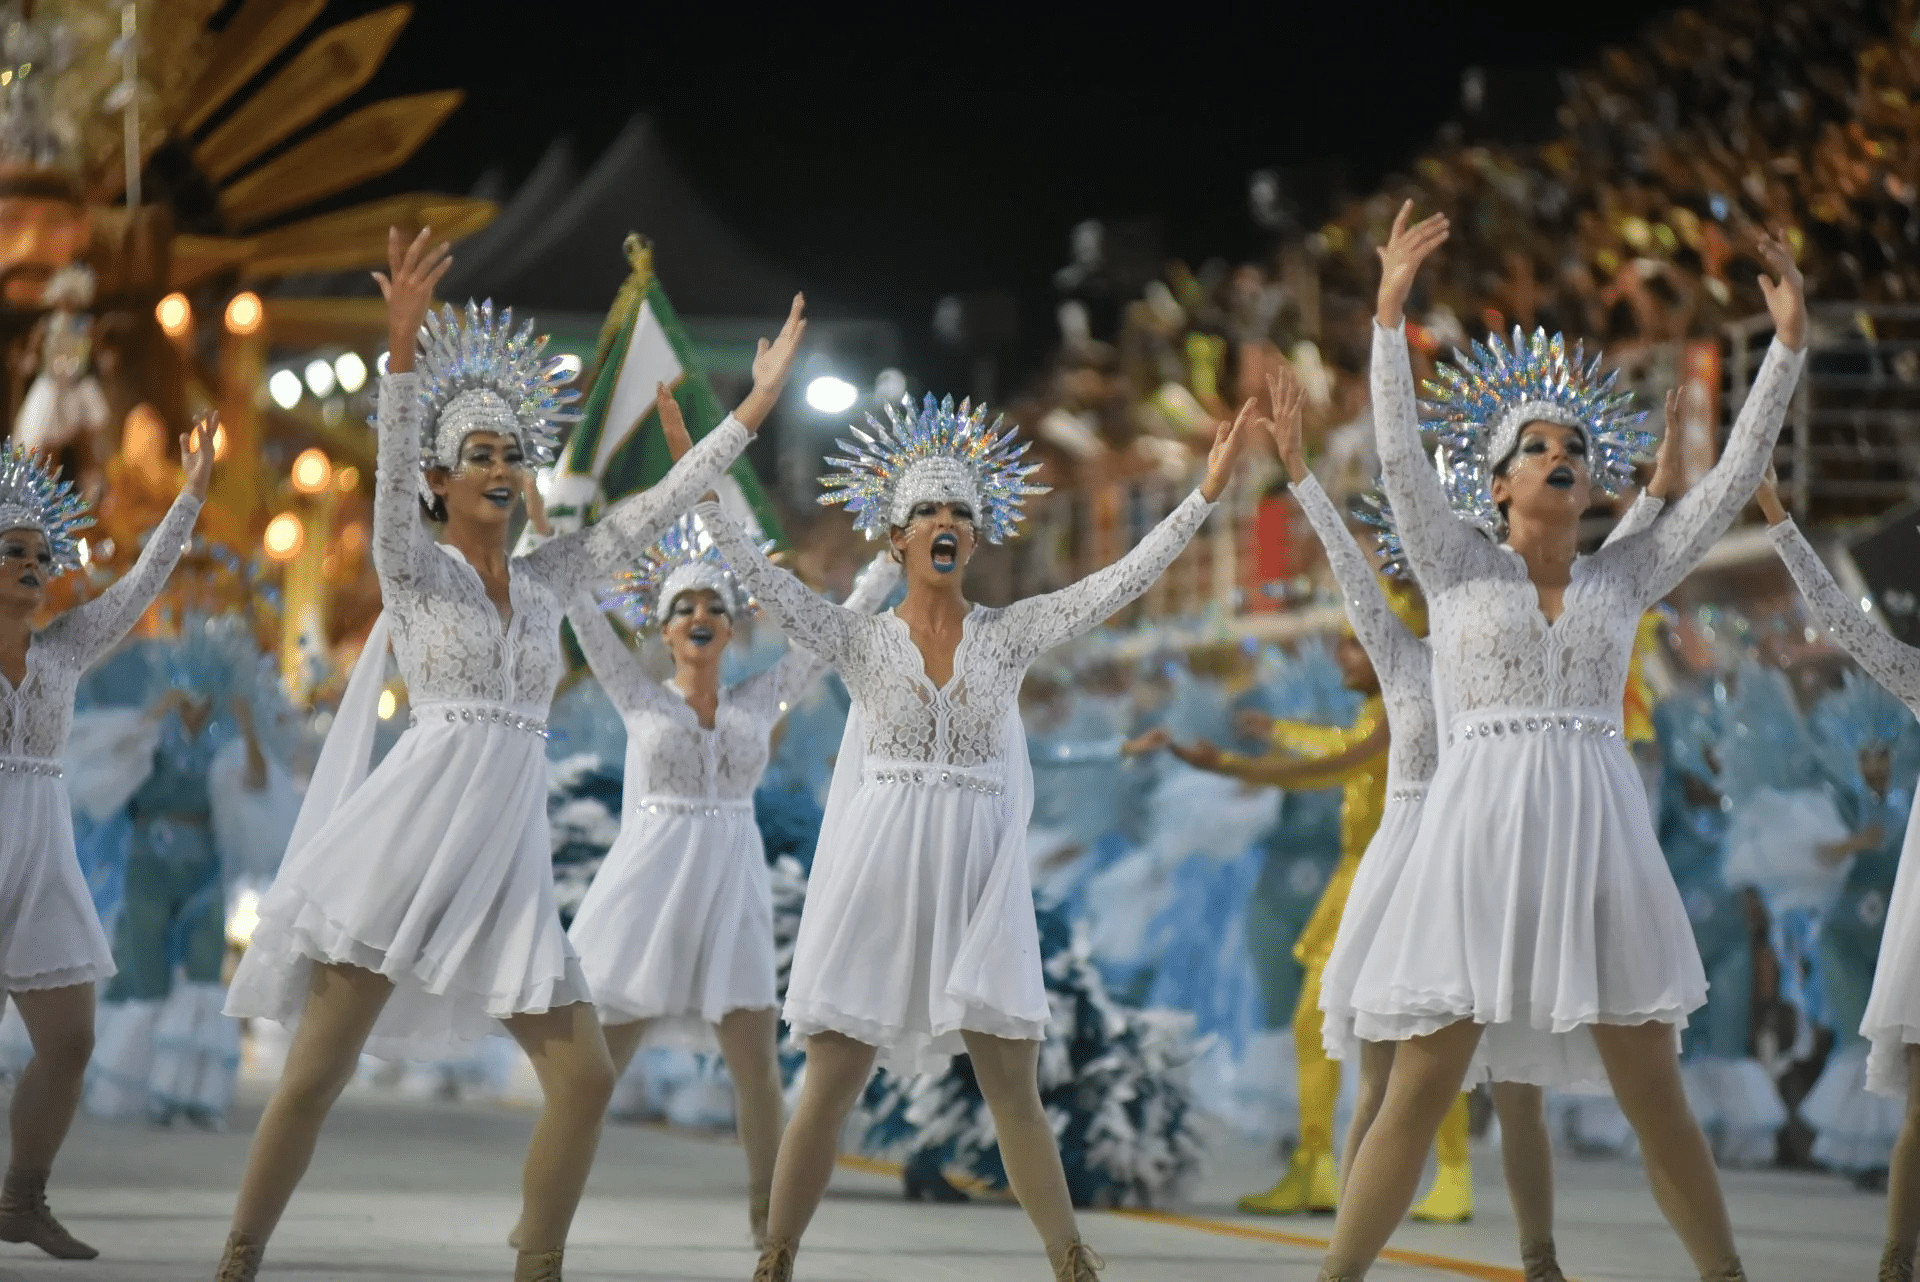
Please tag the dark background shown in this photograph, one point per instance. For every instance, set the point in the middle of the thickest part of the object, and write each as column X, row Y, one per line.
column 891, row 156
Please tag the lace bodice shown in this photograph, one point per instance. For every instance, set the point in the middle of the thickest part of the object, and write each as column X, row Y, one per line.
column 962, row 723
column 1492, row 646
column 36, row 718
column 669, row 753
column 1888, row 660
column 448, row 637
column 1400, row 659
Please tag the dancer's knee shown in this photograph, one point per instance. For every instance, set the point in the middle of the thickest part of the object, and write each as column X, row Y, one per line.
column 65, row 1051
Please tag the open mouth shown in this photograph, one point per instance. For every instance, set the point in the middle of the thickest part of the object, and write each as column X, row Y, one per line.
column 31, row 579
column 1561, row 478
column 945, row 552
column 499, row 496
column 700, row 634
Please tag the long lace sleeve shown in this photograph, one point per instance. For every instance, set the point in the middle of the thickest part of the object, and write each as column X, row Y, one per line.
column 1643, row 512
column 398, row 536
column 1891, row 662
column 572, row 563
column 1374, row 622
column 1041, row 622
column 89, row 630
column 1441, row 547
column 808, row 619
column 615, row 667
column 1677, row 542
column 800, row 667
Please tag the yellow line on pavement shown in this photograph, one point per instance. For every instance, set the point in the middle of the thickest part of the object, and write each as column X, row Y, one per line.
column 1251, row 1232
column 1258, row 1233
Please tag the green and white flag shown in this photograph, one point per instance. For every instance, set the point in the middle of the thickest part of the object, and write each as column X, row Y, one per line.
column 617, row 447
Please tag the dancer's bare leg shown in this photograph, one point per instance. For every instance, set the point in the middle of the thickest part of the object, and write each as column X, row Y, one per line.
column 623, row 1043
column 1009, row 1075
column 569, row 1056
column 749, row 1042
column 1643, row 1066
column 1426, row 1078
column 1903, row 1184
column 1376, row 1061
column 1526, row 1152
column 837, row 1071
column 342, row 1004
column 60, row 1024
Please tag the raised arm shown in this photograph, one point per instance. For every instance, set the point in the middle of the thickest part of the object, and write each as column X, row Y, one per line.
column 1041, row 622
column 88, row 631
column 807, row 618
column 571, row 564
column 617, row 668
column 1677, row 542
column 788, row 680
column 1441, row 548
column 414, row 270
column 1311, row 757
column 1640, row 515
column 1379, row 629
column 1891, row 662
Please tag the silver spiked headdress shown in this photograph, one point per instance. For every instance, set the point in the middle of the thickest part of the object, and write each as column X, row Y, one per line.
column 937, row 452
column 1373, row 510
column 479, row 374
column 33, row 497
column 1478, row 403
column 684, row 559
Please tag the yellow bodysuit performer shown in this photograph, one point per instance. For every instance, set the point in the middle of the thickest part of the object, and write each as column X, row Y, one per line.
column 1353, row 758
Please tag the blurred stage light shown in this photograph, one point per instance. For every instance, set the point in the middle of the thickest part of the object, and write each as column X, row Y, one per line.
column 285, row 388
column 320, row 378
column 830, row 395
column 351, row 371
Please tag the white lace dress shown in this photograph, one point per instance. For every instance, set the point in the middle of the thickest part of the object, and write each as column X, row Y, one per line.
column 435, row 869
column 1536, row 900
column 50, row 935
column 919, row 915
column 677, row 928
column 1404, row 666
column 1892, row 1021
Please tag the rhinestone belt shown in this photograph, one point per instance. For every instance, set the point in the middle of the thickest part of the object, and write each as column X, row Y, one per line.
column 1408, row 794
column 43, row 766
column 479, row 713
column 937, row 777
column 684, row 806
column 1535, row 723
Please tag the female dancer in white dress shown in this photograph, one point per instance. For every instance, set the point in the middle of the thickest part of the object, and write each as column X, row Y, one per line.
column 415, row 905
column 918, row 938
column 1892, row 1022
column 52, row 948
column 1404, row 665
column 1536, row 932
column 676, row 933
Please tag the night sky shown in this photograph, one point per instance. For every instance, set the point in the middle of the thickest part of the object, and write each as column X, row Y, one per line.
column 888, row 157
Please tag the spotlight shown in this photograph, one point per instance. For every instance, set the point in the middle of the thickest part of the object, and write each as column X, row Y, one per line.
column 175, row 314
column 320, row 378
column 285, row 537
column 285, row 388
column 244, row 313
column 830, row 395
column 312, row 472
column 352, row 372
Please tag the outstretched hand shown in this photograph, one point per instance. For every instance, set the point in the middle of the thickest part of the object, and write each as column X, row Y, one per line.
column 1666, row 462
column 1400, row 259
column 1229, row 442
column 1785, row 290
column 413, row 272
column 673, row 426
column 772, row 362
column 1768, row 496
column 1289, row 397
column 196, row 453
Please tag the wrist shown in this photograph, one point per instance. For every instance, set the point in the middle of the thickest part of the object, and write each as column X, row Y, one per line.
column 754, row 410
column 1391, row 313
